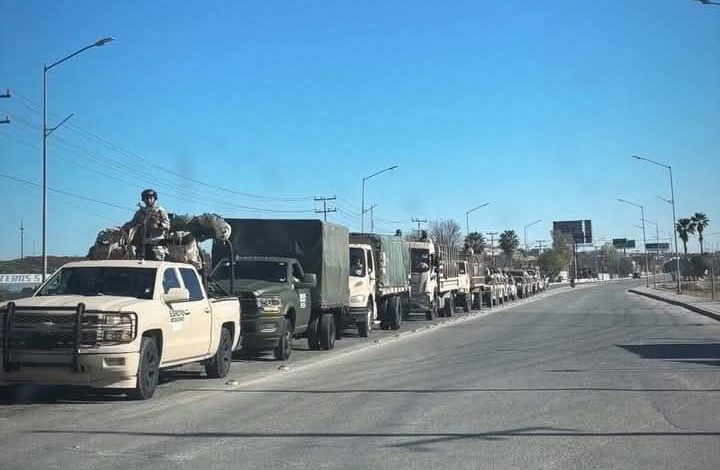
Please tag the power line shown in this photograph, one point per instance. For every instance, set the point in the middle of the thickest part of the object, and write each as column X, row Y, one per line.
column 147, row 161
column 67, row 193
column 123, row 169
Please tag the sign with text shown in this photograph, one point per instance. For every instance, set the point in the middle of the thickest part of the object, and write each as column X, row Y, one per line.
column 20, row 278
column 579, row 230
column 623, row 243
column 657, row 246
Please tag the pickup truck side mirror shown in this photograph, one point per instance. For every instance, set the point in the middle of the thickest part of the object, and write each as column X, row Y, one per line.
column 176, row 294
column 309, row 281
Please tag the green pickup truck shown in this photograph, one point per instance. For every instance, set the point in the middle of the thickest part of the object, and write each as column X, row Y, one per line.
column 274, row 300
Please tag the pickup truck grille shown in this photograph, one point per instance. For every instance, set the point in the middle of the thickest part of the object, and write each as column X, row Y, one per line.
column 43, row 331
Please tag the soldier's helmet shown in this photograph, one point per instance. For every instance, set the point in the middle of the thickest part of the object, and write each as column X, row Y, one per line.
column 148, row 193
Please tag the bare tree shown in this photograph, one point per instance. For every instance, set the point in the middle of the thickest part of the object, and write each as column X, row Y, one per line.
column 446, row 232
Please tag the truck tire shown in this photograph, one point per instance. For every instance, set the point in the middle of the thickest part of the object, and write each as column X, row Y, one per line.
column 395, row 312
column 283, row 348
column 326, row 331
column 383, row 307
column 312, row 333
column 219, row 366
column 468, row 303
column 148, row 371
column 449, row 307
column 364, row 328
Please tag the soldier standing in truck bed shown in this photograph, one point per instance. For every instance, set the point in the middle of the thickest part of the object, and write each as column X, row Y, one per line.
column 154, row 226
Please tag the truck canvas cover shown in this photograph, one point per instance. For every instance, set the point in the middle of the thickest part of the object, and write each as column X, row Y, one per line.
column 321, row 248
column 396, row 253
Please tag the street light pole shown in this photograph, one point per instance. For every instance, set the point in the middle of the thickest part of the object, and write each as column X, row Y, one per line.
column 45, row 133
column 467, row 217
column 642, row 217
column 362, row 206
column 525, row 233
column 672, row 200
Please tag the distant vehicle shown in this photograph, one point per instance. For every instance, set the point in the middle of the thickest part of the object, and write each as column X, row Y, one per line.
column 435, row 279
column 636, row 275
column 115, row 324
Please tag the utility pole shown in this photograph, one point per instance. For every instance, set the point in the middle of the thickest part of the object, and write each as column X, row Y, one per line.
column 492, row 246
column 5, row 95
column 418, row 222
column 372, row 218
column 540, row 245
column 22, row 240
column 325, row 209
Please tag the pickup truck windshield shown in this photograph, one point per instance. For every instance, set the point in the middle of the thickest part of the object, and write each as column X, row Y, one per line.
column 270, row 271
column 420, row 260
column 102, row 280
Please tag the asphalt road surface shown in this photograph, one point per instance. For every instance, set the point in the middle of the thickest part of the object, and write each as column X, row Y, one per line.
column 593, row 378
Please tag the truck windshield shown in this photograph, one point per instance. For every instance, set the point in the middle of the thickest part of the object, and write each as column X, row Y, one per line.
column 357, row 262
column 420, row 260
column 102, row 280
column 270, row 271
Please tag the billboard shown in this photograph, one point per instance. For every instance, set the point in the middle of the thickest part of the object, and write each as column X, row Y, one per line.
column 580, row 230
column 657, row 246
column 623, row 243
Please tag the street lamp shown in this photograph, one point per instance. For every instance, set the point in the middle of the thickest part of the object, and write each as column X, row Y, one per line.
column 642, row 217
column 671, row 201
column 362, row 206
column 467, row 216
column 45, row 133
column 525, row 234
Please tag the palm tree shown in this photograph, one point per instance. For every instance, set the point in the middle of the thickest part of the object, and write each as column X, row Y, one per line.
column 509, row 242
column 701, row 221
column 475, row 241
column 685, row 227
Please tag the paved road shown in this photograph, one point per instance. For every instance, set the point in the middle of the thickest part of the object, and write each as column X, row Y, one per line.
column 593, row 378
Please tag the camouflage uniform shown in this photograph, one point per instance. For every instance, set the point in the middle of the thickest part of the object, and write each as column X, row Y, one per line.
column 155, row 224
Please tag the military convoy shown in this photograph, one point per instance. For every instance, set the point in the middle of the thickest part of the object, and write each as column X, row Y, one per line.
column 114, row 323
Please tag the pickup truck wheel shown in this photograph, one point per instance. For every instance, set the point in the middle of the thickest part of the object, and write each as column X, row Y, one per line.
column 395, row 312
column 313, row 333
column 219, row 366
column 284, row 347
column 148, row 371
column 326, row 331
column 364, row 328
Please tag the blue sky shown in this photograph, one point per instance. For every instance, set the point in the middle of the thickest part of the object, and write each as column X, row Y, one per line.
column 533, row 106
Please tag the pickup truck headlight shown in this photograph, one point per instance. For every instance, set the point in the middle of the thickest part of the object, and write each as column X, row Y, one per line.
column 269, row 304
column 101, row 328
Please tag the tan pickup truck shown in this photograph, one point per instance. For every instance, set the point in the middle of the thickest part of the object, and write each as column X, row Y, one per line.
column 115, row 324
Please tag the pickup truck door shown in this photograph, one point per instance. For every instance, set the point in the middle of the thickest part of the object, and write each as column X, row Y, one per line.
column 194, row 332
column 302, row 315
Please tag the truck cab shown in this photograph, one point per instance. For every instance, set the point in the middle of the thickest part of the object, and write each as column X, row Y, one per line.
column 424, row 265
column 363, row 306
column 115, row 324
column 275, row 298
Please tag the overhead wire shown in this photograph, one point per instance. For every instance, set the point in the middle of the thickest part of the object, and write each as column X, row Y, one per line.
column 149, row 162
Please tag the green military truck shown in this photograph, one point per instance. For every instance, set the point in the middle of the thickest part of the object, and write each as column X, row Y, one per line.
column 292, row 280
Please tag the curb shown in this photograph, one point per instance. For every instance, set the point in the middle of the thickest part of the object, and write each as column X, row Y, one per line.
column 679, row 303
